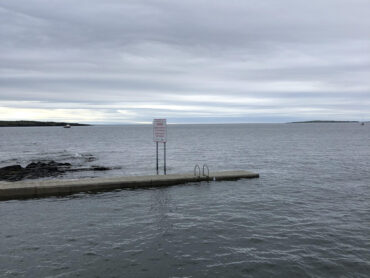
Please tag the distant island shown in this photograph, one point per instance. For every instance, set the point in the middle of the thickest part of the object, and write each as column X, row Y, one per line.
column 36, row 123
column 323, row 122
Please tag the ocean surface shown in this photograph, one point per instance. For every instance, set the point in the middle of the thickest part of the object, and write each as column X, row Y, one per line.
column 308, row 215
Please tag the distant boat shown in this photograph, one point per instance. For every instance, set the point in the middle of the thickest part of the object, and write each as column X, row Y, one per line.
column 67, row 126
column 362, row 123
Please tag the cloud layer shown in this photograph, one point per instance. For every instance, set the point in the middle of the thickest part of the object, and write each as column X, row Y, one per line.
column 189, row 61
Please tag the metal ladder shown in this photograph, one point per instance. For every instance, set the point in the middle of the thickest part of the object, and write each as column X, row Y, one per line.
column 204, row 168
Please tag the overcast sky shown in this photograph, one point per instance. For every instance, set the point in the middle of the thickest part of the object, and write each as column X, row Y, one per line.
column 190, row 61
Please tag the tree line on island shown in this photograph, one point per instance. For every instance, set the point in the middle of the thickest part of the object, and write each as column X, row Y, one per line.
column 323, row 122
column 36, row 123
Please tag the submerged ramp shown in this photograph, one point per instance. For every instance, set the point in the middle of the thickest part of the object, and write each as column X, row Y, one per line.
column 35, row 189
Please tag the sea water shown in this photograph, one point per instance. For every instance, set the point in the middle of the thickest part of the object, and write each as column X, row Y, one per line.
column 308, row 215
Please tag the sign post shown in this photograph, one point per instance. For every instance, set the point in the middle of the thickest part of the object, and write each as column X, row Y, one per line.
column 157, row 158
column 160, row 135
column 164, row 160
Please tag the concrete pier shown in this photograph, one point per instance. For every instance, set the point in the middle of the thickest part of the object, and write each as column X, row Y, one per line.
column 36, row 189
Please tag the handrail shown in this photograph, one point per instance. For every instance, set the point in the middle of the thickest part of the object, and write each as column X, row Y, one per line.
column 195, row 170
column 205, row 167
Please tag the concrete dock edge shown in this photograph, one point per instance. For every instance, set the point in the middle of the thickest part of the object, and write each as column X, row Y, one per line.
column 37, row 189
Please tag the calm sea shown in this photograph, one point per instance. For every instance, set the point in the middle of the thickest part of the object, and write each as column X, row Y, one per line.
column 308, row 215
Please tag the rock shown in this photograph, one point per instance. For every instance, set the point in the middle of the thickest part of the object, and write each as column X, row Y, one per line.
column 49, row 165
column 11, row 173
column 11, row 168
column 100, row 168
column 33, row 170
column 92, row 168
column 41, row 169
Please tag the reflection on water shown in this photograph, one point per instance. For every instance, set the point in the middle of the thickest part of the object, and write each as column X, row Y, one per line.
column 161, row 207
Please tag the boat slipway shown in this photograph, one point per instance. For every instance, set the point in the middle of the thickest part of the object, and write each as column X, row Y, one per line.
column 36, row 189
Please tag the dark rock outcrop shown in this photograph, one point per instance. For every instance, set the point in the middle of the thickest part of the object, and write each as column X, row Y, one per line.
column 100, row 168
column 11, row 173
column 41, row 169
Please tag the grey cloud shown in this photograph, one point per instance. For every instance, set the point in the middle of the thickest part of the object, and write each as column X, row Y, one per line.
column 61, row 53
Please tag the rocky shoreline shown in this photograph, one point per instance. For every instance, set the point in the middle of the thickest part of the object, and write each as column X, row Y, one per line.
column 42, row 169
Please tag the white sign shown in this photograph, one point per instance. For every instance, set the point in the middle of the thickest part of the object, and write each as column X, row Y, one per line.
column 160, row 130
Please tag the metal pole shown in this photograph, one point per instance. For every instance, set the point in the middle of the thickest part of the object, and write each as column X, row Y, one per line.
column 164, row 145
column 157, row 157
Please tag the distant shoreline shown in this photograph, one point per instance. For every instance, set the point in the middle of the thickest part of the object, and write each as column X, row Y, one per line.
column 36, row 123
column 323, row 122
column 42, row 124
